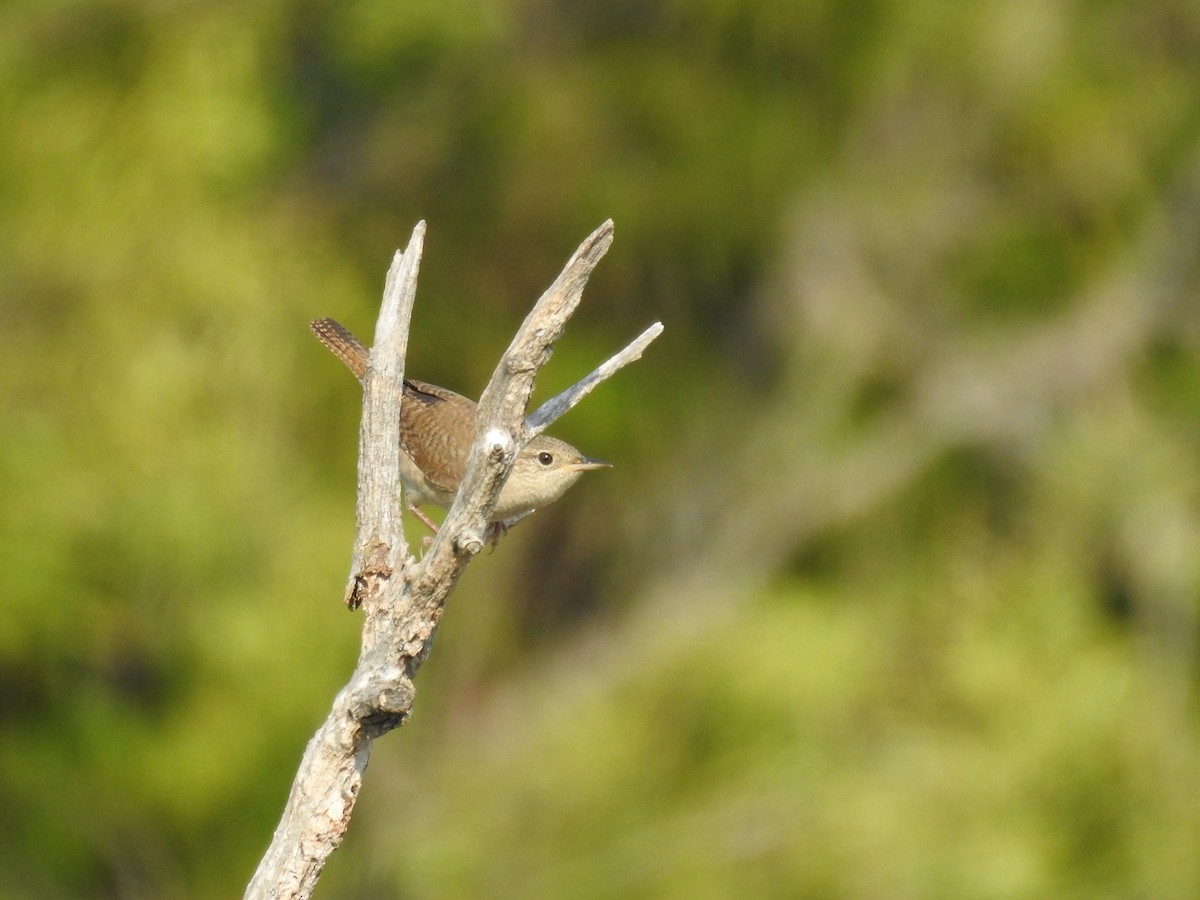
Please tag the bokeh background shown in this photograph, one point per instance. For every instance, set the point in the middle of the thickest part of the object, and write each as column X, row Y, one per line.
column 893, row 589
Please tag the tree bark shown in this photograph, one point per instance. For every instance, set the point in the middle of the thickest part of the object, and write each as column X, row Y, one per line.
column 403, row 598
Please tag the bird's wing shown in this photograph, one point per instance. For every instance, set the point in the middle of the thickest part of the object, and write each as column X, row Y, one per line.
column 429, row 416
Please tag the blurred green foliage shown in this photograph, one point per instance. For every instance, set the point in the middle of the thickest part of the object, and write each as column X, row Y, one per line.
column 894, row 590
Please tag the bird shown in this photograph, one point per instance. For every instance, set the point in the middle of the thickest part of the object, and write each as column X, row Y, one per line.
column 437, row 428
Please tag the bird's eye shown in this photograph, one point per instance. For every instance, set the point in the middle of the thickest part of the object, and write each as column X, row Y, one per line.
column 545, row 458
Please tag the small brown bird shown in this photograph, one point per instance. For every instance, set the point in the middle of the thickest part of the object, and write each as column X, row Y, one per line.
column 437, row 427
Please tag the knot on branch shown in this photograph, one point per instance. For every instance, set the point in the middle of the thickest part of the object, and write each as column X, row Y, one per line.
column 499, row 446
column 470, row 543
column 381, row 702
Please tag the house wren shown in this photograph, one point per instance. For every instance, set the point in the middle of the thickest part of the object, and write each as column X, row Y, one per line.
column 437, row 427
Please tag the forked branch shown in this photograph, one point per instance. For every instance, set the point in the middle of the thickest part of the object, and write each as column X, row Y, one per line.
column 402, row 598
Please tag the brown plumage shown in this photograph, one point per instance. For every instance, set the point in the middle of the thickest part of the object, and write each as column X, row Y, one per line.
column 437, row 427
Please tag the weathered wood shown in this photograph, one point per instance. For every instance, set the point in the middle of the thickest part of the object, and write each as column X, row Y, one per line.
column 402, row 598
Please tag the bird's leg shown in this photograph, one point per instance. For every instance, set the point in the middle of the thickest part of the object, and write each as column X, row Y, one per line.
column 416, row 511
column 495, row 530
column 427, row 541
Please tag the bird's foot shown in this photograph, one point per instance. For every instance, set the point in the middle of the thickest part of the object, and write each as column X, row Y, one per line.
column 495, row 531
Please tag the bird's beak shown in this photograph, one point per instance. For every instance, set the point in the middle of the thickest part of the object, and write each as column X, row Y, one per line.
column 588, row 463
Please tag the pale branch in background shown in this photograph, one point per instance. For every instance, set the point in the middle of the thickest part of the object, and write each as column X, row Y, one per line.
column 402, row 598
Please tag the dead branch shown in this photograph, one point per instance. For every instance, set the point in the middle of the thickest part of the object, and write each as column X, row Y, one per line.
column 403, row 599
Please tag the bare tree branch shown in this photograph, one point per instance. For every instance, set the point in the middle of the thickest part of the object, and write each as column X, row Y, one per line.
column 403, row 599
column 379, row 543
column 379, row 694
column 499, row 426
column 560, row 404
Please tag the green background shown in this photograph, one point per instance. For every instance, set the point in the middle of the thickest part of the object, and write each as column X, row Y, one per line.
column 893, row 591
